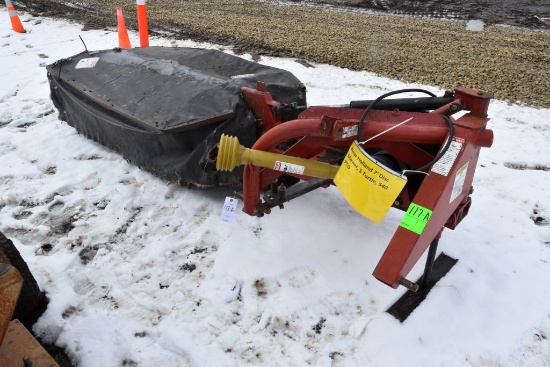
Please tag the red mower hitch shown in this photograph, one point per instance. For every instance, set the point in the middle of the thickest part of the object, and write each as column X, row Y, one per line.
column 437, row 153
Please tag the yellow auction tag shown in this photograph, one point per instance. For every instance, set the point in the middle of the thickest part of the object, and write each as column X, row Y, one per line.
column 369, row 187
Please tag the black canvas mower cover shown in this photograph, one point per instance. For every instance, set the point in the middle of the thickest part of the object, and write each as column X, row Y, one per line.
column 164, row 109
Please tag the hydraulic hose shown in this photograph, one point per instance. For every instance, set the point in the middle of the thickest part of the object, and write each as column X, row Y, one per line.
column 446, row 118
column 373, row 103
column 445, row 148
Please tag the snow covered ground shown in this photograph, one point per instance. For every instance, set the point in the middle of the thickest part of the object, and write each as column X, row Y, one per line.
column 144, row 273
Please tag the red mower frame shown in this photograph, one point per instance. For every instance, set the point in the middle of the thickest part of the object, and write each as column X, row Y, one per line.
column 323, row 133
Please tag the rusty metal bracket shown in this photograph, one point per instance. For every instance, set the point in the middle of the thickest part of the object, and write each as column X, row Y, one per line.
column 11, row 283
column 20, row 348
column 262, row 106
column 17, row 346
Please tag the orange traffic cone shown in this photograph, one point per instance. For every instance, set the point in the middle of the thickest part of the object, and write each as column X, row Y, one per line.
column 123, row 39
column 142, row 23
column 15, row 21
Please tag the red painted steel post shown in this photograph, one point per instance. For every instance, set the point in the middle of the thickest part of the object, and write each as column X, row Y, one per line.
column 440, row 195
column 142, row 23
column 251, row 189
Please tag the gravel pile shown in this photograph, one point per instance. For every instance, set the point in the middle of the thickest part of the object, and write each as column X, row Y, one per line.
column 513, row 64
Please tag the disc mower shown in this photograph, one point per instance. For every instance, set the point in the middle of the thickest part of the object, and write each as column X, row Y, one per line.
column 205, row 118
column 368, row 145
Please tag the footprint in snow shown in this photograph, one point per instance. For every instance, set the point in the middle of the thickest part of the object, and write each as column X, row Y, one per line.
column 300, row 277
column 540, row 216
column 21, row 215
column 524, row 166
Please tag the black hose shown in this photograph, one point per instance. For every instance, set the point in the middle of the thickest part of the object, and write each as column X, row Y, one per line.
column 445, row 148
column 416, row 104
column 373, row 103
column 446, row 118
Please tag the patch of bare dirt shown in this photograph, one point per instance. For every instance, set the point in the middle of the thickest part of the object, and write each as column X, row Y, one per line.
column 512, row 63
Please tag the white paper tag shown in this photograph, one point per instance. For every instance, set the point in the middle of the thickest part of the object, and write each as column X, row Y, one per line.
column 242, row 76
column 348, row 131
column 443, row 166
column 229, row 208
column 288, row 167
column 458, row 185
column 87, row 63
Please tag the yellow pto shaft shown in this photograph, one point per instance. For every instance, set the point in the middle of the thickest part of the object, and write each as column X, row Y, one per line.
column 231, row 154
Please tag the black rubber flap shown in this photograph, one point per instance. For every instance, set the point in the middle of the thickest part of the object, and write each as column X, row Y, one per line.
column 164, row 109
